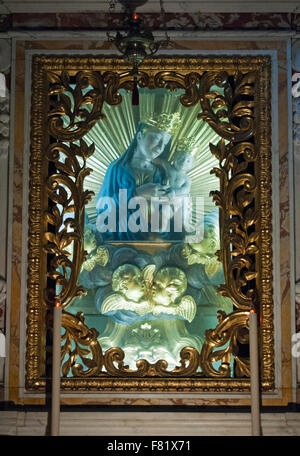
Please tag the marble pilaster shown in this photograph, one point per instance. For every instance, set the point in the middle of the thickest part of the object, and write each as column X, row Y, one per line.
column 296, row 150
column 5, row 52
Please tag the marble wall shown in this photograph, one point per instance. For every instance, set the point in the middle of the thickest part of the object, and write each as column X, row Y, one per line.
column 173, row 21
column 29, row 423
column 296, row 150
column 19, row 182
column 5, row 63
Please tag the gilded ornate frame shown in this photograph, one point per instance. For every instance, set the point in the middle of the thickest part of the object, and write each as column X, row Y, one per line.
column 242, row 118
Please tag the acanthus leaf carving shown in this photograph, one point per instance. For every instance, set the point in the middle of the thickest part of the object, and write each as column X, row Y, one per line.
column 226, row 97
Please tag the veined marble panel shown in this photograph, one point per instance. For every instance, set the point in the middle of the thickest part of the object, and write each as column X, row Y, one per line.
column 47, row 16
column 219, row 6
column 149, row 424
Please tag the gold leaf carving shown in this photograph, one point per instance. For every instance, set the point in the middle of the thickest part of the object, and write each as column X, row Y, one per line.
column 66, row 189
column 81, row 120
column 227, row 332
column 233, row 94
column 115, row 356
column 79, row 335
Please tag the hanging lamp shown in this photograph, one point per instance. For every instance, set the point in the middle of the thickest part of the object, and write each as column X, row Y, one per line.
column 137, row 42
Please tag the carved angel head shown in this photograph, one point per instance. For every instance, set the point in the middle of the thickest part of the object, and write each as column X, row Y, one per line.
column 89, row 240
column 127, row 279
column 183, row 161
column 169, row 283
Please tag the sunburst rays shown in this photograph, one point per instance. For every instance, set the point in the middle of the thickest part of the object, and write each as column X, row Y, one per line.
column 113, row 134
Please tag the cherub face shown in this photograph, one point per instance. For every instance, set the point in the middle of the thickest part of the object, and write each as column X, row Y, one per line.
column 89, row 241
column 128, row 280
column 169, row 284
column 184, row 162
column 210, row 231
column 207, row 246
column 133, row 287
column 210, row 243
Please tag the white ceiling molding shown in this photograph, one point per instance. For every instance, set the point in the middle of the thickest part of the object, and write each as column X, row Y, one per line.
column 170, row 6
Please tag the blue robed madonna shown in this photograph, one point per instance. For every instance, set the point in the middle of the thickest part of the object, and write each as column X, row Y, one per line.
column 133, row 171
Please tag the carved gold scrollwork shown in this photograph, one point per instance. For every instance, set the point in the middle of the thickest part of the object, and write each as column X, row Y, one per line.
column 231, row 115
column 72, row 102
column 115, row 356
column 172, row 80
column 77, row 336
column 228, row 114
column 65, row 190
column 231, row 329
column 112, row 85
column 126, row 81
column 233, row 97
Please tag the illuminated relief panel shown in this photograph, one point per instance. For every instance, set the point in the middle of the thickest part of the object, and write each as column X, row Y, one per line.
column 152, row 235
column 151, row 230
